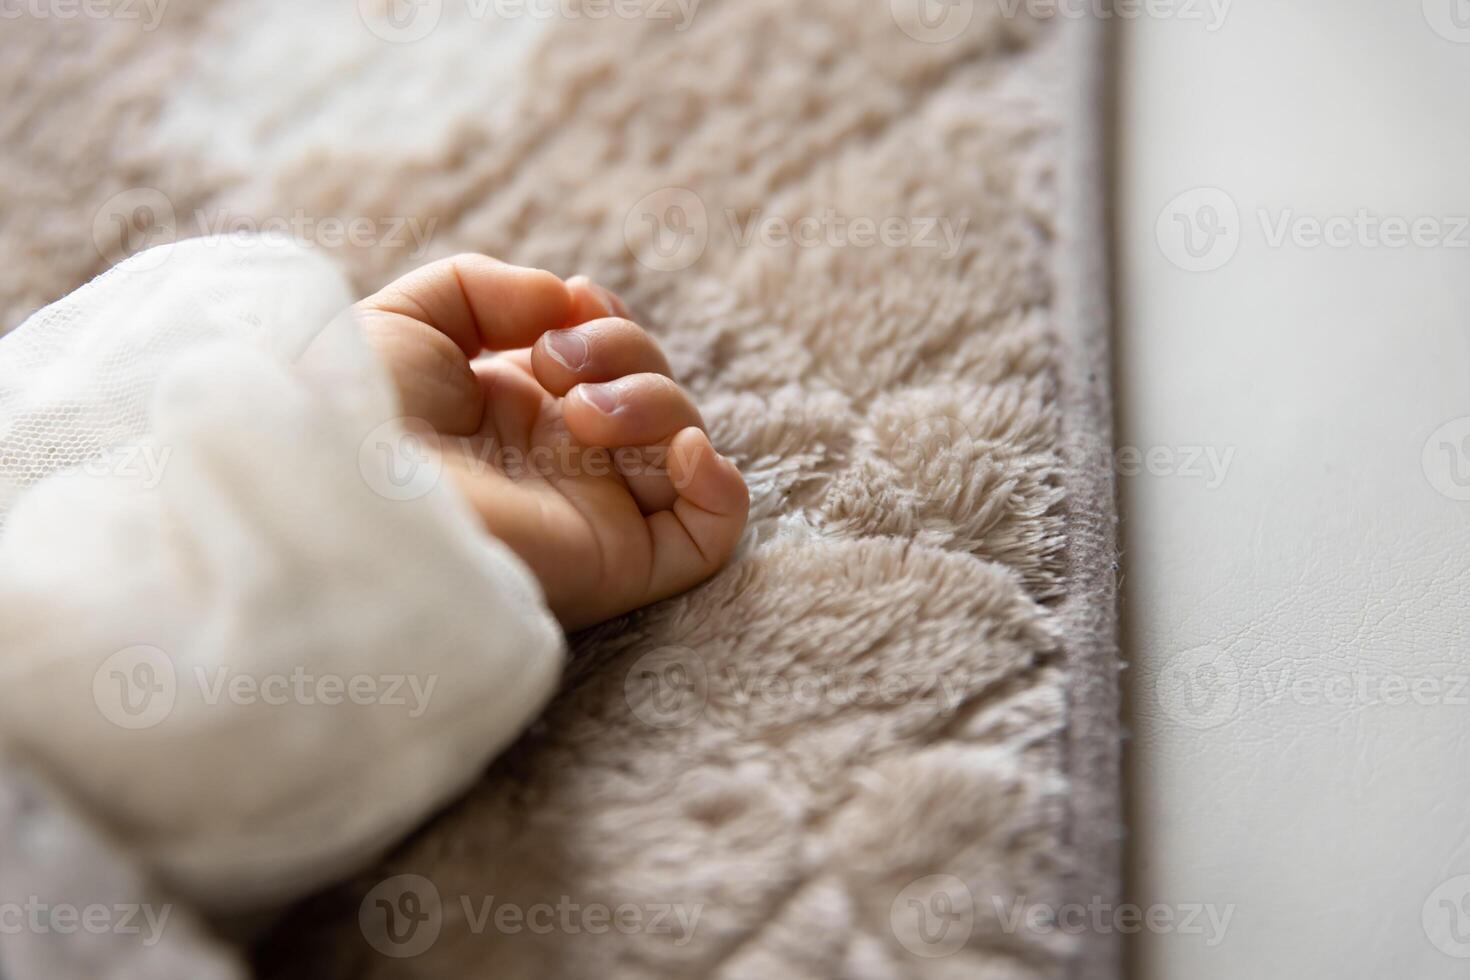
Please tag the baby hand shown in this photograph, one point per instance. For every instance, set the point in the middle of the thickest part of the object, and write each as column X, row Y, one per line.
column 572, row 442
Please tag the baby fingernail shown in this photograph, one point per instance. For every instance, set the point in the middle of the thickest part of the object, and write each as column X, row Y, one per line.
column 567, row 348
column 609, row 302
column 604, row 398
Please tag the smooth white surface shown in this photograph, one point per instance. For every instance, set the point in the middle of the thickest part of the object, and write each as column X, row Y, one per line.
column 1300, row 688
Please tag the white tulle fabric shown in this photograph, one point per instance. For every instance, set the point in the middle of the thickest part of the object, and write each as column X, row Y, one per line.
column 229, row 630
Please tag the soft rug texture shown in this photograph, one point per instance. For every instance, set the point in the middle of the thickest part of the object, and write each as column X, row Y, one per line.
column 870, row 238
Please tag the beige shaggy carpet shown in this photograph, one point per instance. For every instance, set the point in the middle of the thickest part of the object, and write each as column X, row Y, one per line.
column 883, row 742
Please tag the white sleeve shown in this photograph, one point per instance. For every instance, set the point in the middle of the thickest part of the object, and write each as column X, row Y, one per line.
column 243, row 622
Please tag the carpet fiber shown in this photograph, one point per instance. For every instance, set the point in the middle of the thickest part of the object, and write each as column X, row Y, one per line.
column 871, row 242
